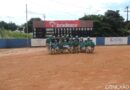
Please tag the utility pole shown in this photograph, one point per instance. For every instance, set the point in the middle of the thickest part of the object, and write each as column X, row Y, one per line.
column 27, row 24
column 44, row 16
column 127, row 11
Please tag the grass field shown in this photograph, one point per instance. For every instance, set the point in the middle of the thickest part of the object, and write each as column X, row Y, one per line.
column 35, row 69
column 7, row 34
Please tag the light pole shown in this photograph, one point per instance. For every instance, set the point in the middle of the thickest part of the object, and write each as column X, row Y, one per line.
column 27, row 24
column 44, row 16
column 127, row 7
column 127, row 11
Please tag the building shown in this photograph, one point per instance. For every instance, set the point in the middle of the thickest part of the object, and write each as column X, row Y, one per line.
column 82, row 28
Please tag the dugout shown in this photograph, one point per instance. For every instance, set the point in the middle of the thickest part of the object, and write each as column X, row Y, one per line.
column 81, row 28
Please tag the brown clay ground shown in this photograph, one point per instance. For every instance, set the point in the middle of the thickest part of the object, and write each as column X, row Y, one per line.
column 35, row 69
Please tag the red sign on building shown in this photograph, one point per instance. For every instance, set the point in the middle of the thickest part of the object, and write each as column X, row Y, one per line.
column 68, row 23
column 63, row 23
column 56, row 24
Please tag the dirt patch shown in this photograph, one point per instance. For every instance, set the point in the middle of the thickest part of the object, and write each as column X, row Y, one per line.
column 35, row 69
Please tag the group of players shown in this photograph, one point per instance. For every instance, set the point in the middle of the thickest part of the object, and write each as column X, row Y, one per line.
column 72, row 44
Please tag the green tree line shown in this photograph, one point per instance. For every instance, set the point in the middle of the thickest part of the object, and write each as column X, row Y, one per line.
column 108, row 25
column 8, row 26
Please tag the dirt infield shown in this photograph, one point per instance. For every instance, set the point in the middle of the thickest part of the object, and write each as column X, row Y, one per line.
column 34, row 69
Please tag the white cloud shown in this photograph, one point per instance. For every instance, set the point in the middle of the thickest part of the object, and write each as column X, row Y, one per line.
column 54, row 9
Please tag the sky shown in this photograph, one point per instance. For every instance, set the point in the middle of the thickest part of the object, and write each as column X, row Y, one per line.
column 15, row 10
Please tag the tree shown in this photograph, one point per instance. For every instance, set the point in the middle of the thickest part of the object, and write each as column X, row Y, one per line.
column 3, row 24
column 110, row 24
column 97, row 19
column 30, row 24
column 127, row 25
column 115, row 21
column 8, row 26
column 11, row 26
